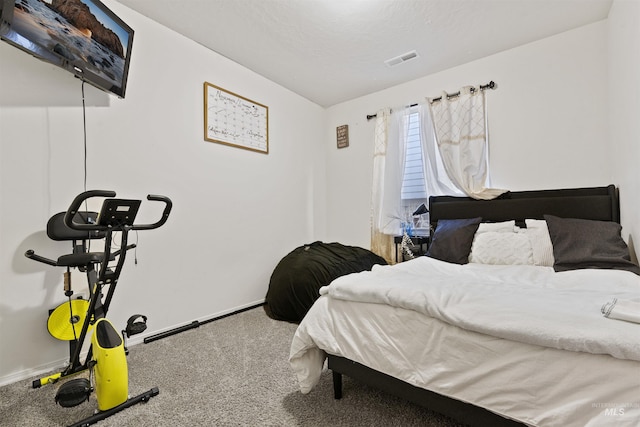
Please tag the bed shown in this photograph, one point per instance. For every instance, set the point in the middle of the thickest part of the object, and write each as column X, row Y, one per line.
column 486, row 343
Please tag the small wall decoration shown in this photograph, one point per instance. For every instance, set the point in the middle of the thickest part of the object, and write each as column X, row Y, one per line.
column 234, row 120
column 342, row 135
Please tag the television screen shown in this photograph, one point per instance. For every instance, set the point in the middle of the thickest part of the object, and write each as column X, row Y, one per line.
column 81, row 36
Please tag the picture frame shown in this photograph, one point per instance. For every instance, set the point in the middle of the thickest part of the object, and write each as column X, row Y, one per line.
column 342, row 136
column 234, row 120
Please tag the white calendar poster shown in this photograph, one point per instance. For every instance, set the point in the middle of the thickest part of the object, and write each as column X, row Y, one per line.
column 234, row 120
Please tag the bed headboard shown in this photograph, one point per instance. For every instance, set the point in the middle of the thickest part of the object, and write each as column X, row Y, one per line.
column 595, row 203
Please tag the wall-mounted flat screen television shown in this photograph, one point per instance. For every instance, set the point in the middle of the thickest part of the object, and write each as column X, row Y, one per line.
column 82, row 36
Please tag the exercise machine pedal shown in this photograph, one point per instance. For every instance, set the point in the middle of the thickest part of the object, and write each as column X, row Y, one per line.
column 73, row 392
column 135, row 325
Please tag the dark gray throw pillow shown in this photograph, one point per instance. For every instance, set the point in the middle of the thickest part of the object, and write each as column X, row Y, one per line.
column 581, row 243
column 452, row 240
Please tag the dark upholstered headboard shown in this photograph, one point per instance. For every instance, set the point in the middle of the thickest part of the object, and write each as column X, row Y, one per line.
column 595, row 203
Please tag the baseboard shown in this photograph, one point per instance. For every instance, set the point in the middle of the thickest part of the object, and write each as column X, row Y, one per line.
column 33, row 372
column 136, row 339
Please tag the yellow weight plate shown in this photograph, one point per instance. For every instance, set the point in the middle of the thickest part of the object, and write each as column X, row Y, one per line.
column 66, row 318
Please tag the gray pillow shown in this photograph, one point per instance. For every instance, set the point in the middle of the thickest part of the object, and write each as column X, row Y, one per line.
column 452, row 240
column 581, row 243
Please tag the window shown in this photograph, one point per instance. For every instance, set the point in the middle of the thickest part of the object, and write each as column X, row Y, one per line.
column 414, row 187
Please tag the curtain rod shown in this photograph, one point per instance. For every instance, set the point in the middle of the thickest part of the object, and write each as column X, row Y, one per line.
column 490, row 85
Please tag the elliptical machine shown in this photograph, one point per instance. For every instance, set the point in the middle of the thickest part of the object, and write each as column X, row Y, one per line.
column 73, row 320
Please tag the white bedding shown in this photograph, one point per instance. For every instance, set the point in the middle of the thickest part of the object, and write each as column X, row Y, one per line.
column 532, row 378
column 528, row 304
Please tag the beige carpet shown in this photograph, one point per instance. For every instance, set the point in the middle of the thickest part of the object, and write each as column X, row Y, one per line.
column 230, row 372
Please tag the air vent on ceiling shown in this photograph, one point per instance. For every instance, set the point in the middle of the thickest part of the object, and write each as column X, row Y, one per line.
column 402, row 58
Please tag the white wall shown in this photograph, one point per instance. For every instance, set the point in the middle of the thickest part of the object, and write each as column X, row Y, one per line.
column 624, row 105
column 236, row 212
column 548, row 123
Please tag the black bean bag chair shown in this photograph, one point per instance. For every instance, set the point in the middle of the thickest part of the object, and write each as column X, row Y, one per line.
column 298, row 277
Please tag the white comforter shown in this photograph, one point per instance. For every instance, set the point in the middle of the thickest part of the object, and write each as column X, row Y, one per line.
column 400, row 324
column 528, row 304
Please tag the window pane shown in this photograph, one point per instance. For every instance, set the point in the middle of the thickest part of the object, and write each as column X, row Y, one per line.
column 413, row 182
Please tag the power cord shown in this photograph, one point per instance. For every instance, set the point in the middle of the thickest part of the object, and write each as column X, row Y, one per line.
column 84, row 133
column 84, row 128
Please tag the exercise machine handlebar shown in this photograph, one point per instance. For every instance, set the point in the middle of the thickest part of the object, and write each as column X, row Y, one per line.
column 82, row 197
column 168, row 204
column 75, row 207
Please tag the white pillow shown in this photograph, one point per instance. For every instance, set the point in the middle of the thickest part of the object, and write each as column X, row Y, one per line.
column 538, row 235
column 505, row 226
column 501, row 248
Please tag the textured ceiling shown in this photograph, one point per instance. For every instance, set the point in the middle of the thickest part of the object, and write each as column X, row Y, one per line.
column 330, row 51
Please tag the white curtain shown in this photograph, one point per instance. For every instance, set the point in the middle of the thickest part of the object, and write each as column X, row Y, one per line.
column 461, row 136
column 388, row 166
column 436, row 177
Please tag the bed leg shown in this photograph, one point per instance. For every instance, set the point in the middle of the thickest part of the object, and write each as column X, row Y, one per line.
column 337, row 385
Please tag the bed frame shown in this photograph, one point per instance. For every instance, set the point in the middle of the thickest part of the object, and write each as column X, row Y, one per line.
column 594, row 203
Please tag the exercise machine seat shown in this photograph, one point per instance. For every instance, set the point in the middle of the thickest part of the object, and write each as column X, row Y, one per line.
column 80, row 259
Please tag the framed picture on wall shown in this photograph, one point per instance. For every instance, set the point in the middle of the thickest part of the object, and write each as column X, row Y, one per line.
column 342, row 136
column 234, row 120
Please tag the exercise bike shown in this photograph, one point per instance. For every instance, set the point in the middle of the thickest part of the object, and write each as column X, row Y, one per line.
column 76, row 319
